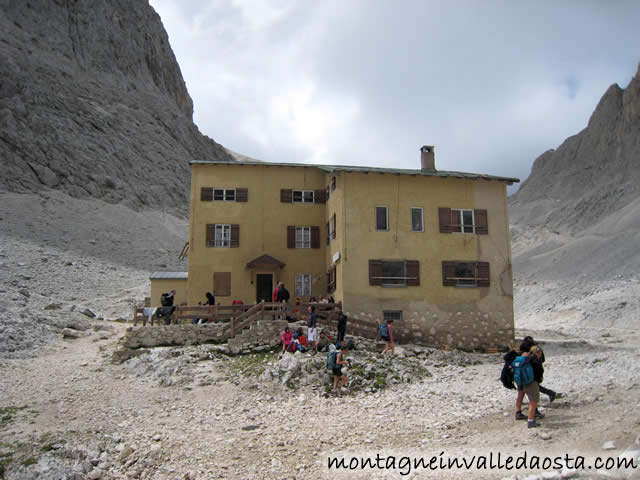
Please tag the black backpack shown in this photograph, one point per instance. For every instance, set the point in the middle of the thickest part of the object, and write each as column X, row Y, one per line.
column 506, row 376
column 165, row 300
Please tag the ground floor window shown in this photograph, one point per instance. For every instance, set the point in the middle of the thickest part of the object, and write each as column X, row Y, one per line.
column 393, row 315
column 303, row 284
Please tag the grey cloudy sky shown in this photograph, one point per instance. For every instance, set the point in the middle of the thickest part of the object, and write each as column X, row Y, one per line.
column 492, row 84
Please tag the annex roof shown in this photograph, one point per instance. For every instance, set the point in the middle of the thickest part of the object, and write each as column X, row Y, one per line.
column 169, row 275
column 349, row 168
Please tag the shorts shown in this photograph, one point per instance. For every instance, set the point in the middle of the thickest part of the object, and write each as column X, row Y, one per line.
column 312, row 334
column 337, row 371
column 533, row 391
column 386, row 339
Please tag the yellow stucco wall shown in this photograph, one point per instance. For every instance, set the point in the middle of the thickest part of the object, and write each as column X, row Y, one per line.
column 263, row 224
column 162, row 285
column 432, row 313
column 399, row 193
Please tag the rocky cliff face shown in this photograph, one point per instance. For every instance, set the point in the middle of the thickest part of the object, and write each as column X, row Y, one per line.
column 592, row 174
column 92, row 102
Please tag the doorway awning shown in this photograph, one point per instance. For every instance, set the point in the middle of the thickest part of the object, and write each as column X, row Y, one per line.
column 265, row 261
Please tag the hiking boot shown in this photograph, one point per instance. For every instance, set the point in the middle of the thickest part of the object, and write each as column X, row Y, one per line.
column 552, row 396
column 520, row 416
column 532, row 424
column 539, row 414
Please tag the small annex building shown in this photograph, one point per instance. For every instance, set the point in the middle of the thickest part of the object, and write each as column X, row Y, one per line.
column 430, row 249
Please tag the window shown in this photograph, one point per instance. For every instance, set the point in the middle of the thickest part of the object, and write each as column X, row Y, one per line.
column 417, row 220
column 393, row 315
column 331, row 229
column 394, row 273
column 331, row 187
column 303, row 196
column 303, row 284
column 382, row 220
column 303, row 237
column 208, row 194
column 465, row 274
column 222, row 284
column 224, row 194
column 331, row 279
column 463, row 220
column 223, row 235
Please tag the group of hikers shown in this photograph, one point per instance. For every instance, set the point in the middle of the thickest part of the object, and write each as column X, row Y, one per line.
column 523, row 368
column 523, row 371
column 323, row 342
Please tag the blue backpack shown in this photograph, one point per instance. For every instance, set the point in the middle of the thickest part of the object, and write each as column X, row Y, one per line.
column 384, row 331
column 522, row 371
column 331, row 359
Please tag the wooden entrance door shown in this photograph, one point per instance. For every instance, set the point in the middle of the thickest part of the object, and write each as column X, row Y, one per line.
column 264, row 287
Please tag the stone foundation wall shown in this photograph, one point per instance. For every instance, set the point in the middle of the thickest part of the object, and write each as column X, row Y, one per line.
column 164, row 335
column 467, row 326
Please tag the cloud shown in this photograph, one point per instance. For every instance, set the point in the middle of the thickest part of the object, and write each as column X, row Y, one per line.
column 491, row 84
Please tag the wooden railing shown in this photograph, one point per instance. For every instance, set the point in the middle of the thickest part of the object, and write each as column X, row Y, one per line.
column 241, row 316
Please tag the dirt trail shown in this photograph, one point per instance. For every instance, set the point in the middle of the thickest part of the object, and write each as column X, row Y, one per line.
column 215, row 429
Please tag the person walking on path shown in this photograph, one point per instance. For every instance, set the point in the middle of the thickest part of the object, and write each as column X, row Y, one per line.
column 390, row 345
column 337, row 370
column 532, row 390
column 547, row 391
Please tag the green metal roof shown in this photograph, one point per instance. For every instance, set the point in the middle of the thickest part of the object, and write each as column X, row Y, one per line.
column 349, row 168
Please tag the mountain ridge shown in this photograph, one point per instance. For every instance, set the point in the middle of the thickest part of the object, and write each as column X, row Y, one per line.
column 93, row 103
column 591, row 174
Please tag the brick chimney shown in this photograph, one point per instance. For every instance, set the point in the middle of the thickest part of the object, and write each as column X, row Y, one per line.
column 428, row 157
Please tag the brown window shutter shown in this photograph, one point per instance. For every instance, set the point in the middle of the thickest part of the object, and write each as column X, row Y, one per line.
column 482, row 269
column 291, row 236
column 448, row 273
column 235, row 236
column 242, row 194
column 320, row 196
column 481, row 221
column 328, row 233
column 444, row 215
column 286, row 196
column 375, row 272
column 222, row 284
column 206, row 194
column 333, row 232
column 315, row 237
column 211, row 234
column 413, row 272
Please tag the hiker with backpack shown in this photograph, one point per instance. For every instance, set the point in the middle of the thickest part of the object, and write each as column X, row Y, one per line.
column 527, row 375
column 547, row 391
column 386, row 333
column 335, row 360
column 167, row 308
